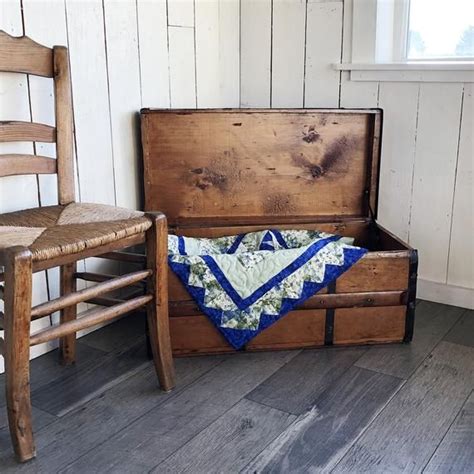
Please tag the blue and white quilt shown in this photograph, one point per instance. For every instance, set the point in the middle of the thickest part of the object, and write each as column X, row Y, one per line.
column 246, row 282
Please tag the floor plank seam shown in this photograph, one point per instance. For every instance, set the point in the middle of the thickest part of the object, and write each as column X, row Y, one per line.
column 428, row 353
column 243, row 470
column 368, row 427
column 402, row 379
column 454, row 324
column 270, row 406
column 334, row 382
column 97, row 393
column 230, row 408
column 170, row 396
column 449, row 427
column 219, row 417
column 404, row 382
column 123, row 348
column 197, row 434
column 466, row 311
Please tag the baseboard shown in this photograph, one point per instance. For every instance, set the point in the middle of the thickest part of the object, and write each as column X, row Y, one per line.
column 446, row 294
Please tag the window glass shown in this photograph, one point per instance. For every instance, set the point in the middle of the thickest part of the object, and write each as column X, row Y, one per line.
column 441, row 29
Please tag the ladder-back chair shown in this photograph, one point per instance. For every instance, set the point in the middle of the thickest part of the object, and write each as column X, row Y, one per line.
column 38, row 239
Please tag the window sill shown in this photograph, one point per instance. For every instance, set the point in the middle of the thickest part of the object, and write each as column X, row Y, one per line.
column 419, row 71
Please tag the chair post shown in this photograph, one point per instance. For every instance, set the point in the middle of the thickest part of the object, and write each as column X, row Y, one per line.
column 18, row 299
column 157, row 309
column 67, row 344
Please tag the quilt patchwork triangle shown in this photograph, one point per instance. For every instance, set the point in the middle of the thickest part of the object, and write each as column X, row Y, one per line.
column 244, row 283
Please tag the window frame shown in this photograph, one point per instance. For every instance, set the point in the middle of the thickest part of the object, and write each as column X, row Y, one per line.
column 377, row 54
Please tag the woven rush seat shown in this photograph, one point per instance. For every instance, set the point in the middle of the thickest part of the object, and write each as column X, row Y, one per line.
column 55, row 231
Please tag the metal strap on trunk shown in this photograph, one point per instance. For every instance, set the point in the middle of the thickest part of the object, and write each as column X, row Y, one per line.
column 329, row 326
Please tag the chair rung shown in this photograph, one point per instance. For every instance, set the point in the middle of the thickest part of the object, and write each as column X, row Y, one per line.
column 80, row 296
column 90, row 318
column 99, row 277
column 124, row 257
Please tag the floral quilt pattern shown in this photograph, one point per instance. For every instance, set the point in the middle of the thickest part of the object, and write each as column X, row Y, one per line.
column 244, row 283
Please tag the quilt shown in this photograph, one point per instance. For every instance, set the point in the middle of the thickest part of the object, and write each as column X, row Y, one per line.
column 244, row 283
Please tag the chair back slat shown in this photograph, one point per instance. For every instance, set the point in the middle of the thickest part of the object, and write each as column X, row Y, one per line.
column 11, row 131
column 18, row 164
column 22, row 54
column 25, row 55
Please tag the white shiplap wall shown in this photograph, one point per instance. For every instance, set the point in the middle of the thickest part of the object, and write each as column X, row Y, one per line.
column 127, row 54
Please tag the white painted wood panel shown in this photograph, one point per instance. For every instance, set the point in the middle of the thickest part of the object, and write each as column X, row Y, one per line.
column 217, row 53
column 433, row 185
column 354, row 94
column 400, row 104
column 461, row 254
column 153, row 42
column 288, row 53
column 125, row 98
column 323, row 48
column 207, row 55
column 182, row 67
column 91, row 101
column 181, row 12
column 229, row 52
column 255, row 52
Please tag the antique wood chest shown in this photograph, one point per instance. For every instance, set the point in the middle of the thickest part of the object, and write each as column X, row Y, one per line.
column 223, row 172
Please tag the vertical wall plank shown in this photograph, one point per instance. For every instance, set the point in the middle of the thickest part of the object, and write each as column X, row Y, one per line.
column 255, row 52
column 323, row 49
column 207, row 54
column 400, row 104
column 182, row 67
column 461, row 255
column 153, row 41
column 91, row 101
column 356, row 94
column 433, row 184
column 217, row 53
column 181, row 12
column 229, row 52
column 125, row 97
column 288, row 53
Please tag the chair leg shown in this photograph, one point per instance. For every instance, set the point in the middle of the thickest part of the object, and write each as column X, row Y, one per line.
column 157, row 310
column 18, row 296
column 67, row 344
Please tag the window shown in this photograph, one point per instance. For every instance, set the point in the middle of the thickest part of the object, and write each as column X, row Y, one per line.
column 440, row 30
column 410, row 40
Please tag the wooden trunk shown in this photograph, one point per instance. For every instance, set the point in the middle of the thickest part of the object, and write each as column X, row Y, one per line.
column 224, row 172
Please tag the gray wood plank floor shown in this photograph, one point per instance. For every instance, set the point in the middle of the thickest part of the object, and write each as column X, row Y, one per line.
column 380, row 409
